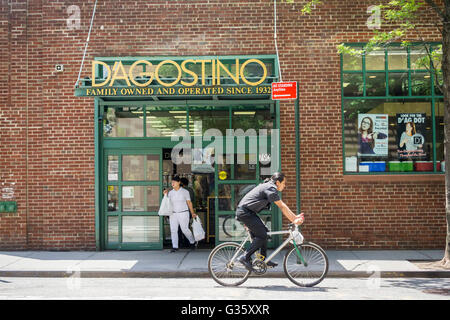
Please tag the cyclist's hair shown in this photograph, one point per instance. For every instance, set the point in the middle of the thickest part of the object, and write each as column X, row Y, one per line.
column 176, row 178
column 277, row 176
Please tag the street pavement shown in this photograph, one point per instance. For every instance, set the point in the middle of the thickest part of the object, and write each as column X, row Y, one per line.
column 186, row 263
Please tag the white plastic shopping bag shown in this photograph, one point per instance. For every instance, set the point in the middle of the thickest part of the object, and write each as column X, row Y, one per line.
column 197, row 229
column 298, row 237
column 166, row 208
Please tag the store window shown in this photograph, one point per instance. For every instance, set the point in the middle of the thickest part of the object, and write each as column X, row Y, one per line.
column 256, row 118
column 123, row 122
column 208, row 118
column 393, row 113
column 162, row 121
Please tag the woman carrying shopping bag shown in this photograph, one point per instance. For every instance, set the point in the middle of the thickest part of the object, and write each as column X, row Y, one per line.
column 182, row 205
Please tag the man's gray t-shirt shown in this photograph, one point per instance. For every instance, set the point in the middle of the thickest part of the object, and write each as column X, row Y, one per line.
column 260, row 197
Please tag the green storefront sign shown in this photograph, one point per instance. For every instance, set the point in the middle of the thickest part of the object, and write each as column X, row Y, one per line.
column 178, row 91
column 210, row 76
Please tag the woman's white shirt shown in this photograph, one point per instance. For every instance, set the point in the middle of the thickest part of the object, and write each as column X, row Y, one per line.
column 178, row 199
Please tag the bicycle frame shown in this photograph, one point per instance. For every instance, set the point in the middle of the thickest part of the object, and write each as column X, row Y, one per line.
column 277, row 250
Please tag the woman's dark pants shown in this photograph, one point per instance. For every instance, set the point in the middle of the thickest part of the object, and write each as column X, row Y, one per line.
column 258, row 231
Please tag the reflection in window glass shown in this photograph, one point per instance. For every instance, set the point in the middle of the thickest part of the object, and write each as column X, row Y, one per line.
column 153, row 167
column 233, row 192
column 398, row 84
column 123, row 122
column 420, row 84
column 210, row 118
column 352, row 63
column 162, row 122
column 438, row 84
column 133, row 167
column 397, row 59
column 437, row 58
column 253, row 71
column 248, row 118
column 375, row 60
column 353, row 85
column 383, row 135
column 375, row 84
column 153, row 198
column 439, row 116
column 245, row 166
column 113, row 229
column 230, row 229
column 133, row 198
column 113, row 198
column 265, row 165
column 419, row 58
column 240, row 190
column 225, row 203
column 140, row 229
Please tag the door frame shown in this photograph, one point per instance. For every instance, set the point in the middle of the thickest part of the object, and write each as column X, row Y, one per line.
column 120, row 245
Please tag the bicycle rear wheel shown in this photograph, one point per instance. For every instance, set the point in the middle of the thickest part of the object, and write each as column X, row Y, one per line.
column 310, row 273
column 222, row 270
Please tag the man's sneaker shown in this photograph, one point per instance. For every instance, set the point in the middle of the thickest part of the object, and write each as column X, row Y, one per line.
column 173, row 250
column 193, row 246
column 247, row 263
column 271, row 264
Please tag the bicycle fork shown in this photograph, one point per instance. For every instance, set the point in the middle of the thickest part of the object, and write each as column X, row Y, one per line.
column 299, row 255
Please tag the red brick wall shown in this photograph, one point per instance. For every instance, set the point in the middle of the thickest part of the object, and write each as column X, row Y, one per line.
column 47, row 134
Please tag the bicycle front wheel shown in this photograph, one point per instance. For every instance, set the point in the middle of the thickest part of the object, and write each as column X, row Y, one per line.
column 309, row 269
column 221, row 267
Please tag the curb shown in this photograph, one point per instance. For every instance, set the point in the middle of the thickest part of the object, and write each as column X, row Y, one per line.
column 205, row 274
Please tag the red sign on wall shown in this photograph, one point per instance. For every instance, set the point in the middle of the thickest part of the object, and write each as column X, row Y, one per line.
column 284, row 90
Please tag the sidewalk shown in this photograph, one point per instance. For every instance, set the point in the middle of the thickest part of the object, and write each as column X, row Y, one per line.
column 161, row 263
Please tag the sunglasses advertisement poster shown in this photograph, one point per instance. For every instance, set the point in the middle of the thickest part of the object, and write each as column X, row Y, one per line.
column 373, row 134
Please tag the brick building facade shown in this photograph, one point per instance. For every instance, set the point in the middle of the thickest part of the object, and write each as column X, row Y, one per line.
column 47, row 133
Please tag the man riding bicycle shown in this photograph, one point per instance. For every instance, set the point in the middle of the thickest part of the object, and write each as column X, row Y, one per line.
column 256, row 200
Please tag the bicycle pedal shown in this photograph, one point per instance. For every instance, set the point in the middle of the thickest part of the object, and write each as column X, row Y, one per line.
column 260, row 256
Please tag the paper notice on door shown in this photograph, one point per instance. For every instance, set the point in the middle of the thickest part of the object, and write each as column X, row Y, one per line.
column 113, row 170
column 128, row 193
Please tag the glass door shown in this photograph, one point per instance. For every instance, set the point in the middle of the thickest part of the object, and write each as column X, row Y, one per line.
column 234, row 181
column 251, row 160
column 132, row 194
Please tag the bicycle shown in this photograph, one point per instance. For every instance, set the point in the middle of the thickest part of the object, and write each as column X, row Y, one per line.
column 306, row 264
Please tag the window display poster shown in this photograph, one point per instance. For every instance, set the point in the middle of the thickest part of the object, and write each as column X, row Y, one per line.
column 373, row 134
column 410, row 135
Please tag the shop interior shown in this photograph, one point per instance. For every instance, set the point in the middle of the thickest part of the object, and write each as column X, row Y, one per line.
column 201, row 188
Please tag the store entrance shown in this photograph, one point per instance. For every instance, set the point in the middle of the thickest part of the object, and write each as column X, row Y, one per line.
column 136, row 164
column 199, row 181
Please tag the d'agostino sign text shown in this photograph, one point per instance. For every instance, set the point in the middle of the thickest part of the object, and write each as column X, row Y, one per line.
column 193, row 77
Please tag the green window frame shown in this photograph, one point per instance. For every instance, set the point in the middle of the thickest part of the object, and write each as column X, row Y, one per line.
column 393, row 85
